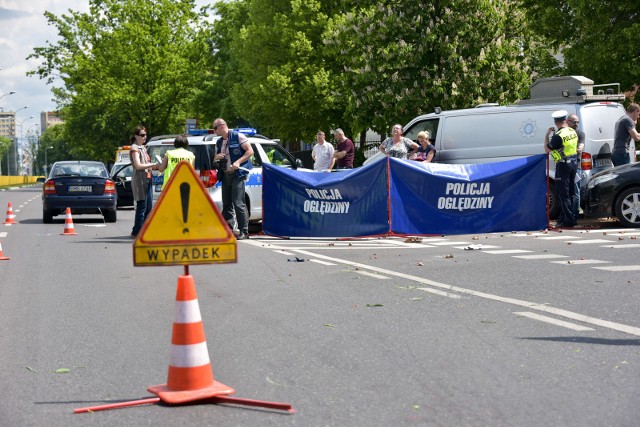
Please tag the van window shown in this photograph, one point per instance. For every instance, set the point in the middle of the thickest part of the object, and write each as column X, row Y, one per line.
column 430, row 126
column 598, row 122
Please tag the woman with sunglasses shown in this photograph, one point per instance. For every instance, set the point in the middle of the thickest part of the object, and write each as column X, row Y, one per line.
column 141, row 182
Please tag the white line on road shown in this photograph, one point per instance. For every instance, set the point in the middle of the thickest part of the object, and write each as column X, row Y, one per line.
column 580, row 261
column 542, row 256
column 322, row 262
column 559, row 238
column 586, row 242
column 552, row 321
column 627, row 246
column 620, row 268
column 3, row 234
column 441, row 293
column 632, row 330
column 374, row 275
column 507, row 251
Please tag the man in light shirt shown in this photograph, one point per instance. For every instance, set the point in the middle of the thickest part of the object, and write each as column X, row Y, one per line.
column 322, row 154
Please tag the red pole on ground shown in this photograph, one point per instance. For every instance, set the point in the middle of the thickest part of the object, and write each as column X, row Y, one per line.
column 250, row 402
column 117, row 405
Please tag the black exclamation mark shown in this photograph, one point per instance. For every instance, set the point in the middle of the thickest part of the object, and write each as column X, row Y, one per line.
column 185, row 189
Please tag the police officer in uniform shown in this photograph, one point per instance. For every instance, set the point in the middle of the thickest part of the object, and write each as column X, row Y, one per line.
column 234, row 150
column 563, row 147
column 173, row 157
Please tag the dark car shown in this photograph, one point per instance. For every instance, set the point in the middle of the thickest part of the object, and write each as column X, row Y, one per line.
column 83, row 186
column 121, row 174
column 615, row 193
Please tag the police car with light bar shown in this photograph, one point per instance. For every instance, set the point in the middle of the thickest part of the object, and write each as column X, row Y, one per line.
column 202, row 143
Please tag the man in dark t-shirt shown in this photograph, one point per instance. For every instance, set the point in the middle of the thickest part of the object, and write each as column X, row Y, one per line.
column 344, row 151
column 625, row 131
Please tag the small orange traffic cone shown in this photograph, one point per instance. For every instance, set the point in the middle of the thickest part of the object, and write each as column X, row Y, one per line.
column 11, row 218
column 68, row 224
column 2, row 257
column 190, row 375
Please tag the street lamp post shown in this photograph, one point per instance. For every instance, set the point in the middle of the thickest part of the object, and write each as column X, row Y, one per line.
column 5, row 94
column 16, row 146
column 46, row 163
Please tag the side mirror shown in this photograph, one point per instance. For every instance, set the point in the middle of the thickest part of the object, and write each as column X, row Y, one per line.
column 299, row 163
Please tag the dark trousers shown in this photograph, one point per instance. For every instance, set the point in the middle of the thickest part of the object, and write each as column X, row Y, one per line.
column 566, row 189
column 234, row 210
column 620, row 159
column 143, row 208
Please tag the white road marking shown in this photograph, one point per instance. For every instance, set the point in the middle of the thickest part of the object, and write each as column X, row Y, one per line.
column 627, row 246
column 3, row 234
column 543, row 256
column 448, row 243
column 631, row 330
column 620, row 268
column 586, row 242
column 441, row 293
column 283, row 252
column 482, row 247
column 559, row 238
column 507, row 251
column 580, row 261
column 374, row 275
column 322, row 262
column 530, row 235
column 552, row 321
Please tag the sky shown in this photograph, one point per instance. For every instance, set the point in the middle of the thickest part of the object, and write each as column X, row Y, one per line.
column 24, row 27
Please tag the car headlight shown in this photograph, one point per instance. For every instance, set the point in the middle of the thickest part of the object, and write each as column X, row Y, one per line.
column 601, row 179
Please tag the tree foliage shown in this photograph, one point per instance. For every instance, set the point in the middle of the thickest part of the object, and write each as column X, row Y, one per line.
column 599, row 40
column 286, row 80
column 124, row 64
column 405, row 57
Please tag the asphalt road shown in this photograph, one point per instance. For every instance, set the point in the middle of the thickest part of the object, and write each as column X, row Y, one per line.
column 505, row 329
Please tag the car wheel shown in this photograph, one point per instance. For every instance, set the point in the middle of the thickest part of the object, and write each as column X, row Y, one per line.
column 628, row 207
column 110, row 216
column 554, row 204
column 47, row 217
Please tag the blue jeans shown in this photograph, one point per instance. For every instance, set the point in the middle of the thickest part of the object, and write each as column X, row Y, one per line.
column 143, row 208
column 234, row 210
column 576, row 201
column 619, row 159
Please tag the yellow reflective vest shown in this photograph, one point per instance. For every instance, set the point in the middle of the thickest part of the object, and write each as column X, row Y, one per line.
column 569, row 144
column 173, row 158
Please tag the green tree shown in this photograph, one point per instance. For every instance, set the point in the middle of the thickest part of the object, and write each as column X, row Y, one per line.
column 286, row 81
column 54, row 137
column 596, row 39
column 5, row 143
column 403, row 58
column 123, row 64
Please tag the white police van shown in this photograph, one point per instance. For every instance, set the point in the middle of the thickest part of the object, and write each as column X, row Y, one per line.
column 202, row 143
column 492, row 133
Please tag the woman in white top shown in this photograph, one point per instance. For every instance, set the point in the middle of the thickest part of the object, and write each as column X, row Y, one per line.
column 397, row 145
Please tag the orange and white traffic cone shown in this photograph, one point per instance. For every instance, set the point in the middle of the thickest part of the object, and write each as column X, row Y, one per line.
column 11, row 218
column 2, row 257
column 68, row 224
column 190, row 375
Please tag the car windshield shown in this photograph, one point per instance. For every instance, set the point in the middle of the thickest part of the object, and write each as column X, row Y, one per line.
column 277, row 155
column 79, row 169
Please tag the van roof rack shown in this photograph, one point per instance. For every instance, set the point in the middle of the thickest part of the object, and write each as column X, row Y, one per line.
column 571, row 89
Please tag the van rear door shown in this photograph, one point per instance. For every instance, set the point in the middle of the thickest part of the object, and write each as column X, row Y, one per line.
column 597, row 121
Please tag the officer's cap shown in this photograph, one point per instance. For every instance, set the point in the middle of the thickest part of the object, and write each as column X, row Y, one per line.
column 560, row 114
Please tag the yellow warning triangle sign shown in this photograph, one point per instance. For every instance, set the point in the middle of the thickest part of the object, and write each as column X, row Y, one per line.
column 185, row 226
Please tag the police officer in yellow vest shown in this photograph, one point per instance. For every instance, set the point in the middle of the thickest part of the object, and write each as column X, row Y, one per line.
column 563, row 148
column 173, row 157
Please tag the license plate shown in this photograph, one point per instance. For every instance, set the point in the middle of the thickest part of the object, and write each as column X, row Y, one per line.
column 602, row 162
column 79, row 189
